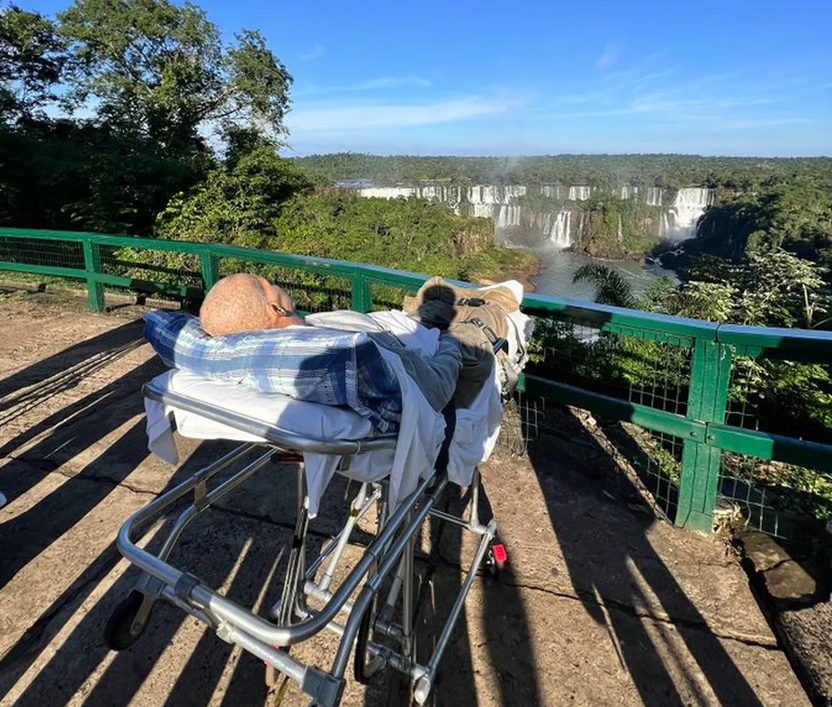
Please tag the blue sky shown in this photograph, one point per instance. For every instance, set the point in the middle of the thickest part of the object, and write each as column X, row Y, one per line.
column 729, row 77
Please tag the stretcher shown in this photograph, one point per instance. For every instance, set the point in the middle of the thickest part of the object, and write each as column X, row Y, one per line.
column 371, row 610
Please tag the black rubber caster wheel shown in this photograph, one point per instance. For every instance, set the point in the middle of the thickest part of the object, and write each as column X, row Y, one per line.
column 121, row 630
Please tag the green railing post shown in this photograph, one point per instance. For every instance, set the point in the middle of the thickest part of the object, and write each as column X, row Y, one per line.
column 209, row 266
column 707, row 402
column 362, row 293
column 92, row 265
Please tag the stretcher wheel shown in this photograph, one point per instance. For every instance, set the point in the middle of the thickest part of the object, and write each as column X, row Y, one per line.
column 363, row 671
column 122, row 630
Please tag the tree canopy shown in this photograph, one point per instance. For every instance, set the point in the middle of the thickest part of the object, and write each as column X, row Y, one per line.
column 160, row 70
column 132, row 90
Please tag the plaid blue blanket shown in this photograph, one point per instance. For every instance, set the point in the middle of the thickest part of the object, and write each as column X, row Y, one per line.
column 307, row 363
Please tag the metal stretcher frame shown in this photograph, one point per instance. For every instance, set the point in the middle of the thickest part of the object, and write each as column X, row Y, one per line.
column 389, row 556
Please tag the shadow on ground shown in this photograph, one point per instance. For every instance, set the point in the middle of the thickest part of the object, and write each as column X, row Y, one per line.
column 617, row 573
column 61, row 657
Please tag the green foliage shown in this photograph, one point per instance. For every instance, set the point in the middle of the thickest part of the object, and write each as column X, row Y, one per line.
column 152, row 74
column 237, row 204
column 498, row 263
column 610, row 287
column 666, row 171
column 771, row 288
column 794, row 215
column 408, row 234
column 160, row 70
column 65, row 175
column 32, row 61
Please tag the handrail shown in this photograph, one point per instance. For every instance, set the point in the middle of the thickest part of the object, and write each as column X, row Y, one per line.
column 590, row 313
column 712, row 346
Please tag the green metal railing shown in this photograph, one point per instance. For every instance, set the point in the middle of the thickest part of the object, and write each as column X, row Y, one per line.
column 683, row 403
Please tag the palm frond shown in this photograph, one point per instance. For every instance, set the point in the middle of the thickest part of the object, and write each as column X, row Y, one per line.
column 610, row 287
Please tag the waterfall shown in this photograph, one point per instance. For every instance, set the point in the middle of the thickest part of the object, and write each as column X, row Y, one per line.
column 499, row 202
column 492, row 194
column 560, row 230
column 664, row 226
column 555, row 191
column 507, row 216
column 388, row 192
column 654, row 196
column 687, row 209
column 579, row 193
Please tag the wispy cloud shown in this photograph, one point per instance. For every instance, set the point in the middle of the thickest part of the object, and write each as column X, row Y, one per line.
column 671, row 107
column 376, row 84
column 363, row 117
column 315, row 53
column 609, row 57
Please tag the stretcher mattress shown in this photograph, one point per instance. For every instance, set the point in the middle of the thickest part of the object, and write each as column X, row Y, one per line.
column 273, row 409
column 413, row 455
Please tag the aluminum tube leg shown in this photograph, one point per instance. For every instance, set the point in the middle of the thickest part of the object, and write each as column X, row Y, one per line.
column 357, row 503
column 331, row 544
column 407, row 596
column 425, row 683
column 294, row 570
column 391, row 559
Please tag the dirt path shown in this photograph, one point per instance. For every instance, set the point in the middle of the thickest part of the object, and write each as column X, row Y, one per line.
column 601, row 604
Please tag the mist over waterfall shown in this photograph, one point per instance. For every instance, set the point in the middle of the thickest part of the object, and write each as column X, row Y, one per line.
column 555, row 212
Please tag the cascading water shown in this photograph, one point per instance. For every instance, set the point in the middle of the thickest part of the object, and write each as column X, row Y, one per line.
column 508, row 216
column 579, row 193
column 688, row 206
column 560, row 230
column 557, row 226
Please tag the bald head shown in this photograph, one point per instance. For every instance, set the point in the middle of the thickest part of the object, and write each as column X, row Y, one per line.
column 243, row 302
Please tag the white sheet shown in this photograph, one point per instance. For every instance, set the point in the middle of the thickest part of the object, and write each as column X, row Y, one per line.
column 420, row 436
column 411, row 333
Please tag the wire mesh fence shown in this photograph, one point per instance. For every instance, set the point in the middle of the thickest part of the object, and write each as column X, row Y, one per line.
column 762, row 397
column 775, row 497
column 643, row 366
column 311, row 292
column 387, row 297
column 657, row 460
column 652, row 459
column 42, row 252
column 181, row 269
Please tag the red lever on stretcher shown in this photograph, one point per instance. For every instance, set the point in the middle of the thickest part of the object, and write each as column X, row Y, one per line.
column 500, row 554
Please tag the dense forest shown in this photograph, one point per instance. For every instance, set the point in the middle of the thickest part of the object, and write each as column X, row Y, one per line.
column 654, row 170
column 168, row 131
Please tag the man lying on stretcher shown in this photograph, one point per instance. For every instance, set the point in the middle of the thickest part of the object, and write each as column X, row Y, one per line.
column 465, row 326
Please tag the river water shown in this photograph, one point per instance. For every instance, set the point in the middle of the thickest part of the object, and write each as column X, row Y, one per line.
column 559, row 267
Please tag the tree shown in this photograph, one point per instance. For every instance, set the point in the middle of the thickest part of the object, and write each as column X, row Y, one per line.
column 160, row 70
column 237, row 203
column 610, row 287
column 32, row 61
column 771, row 287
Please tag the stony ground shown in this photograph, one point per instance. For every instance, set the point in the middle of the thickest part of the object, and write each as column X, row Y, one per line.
column 601, row 603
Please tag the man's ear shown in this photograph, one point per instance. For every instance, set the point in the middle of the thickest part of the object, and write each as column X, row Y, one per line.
column 273, row 316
